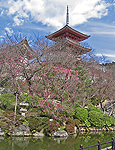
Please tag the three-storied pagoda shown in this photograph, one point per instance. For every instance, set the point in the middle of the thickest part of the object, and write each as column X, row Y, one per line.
column 70, row 38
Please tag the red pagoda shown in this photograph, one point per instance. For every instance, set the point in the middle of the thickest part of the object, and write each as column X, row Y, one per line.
column 70, row 38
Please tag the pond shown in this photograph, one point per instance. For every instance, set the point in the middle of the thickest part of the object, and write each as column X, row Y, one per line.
column 47, row 143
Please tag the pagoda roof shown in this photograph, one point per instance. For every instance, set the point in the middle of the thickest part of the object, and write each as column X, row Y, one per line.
column 70, row 45
column 67, row 31
column 80, row 50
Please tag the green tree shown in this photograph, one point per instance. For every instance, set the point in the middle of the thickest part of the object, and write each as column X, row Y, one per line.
column 85, row 91
column 7, row 101
column 96, row 119
column 81, row 114
column 93, row 108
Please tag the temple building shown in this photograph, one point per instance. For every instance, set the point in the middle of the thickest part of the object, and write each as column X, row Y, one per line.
column 21, row 51
column 70, row 38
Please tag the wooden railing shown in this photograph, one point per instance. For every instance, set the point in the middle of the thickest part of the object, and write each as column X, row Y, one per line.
column 112, row 147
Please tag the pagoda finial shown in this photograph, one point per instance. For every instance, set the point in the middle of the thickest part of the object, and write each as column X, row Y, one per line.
column 67, row 19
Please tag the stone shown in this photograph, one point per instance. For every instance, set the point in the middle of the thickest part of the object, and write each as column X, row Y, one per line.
column 24, row 104
column 38, row 134
column 1, row 132
column 22, row 130
column 51, row 120
column 60, row 134
column 23, row 109
column 75, row 129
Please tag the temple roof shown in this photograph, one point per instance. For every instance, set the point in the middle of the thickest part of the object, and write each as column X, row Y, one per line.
column 70, row 45
column 80, row 50
column 69, row 32
column 22, row 49
column 25, row 49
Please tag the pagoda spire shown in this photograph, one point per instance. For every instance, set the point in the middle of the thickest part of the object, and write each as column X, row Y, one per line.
column 67, row 19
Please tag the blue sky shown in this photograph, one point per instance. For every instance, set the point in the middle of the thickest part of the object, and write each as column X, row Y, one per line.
column 92, row 17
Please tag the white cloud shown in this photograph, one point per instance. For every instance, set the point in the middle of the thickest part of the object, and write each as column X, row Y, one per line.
column 104, row 54
column 1, row 12
column 9, row 30
column 53, row 12
column 110, row 57
column 88, row 9
column 18, row 21
column 1, row 36
column 97, row 28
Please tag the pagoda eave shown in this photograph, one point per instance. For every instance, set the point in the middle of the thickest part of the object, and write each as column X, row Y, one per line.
column 77, row 48
column 69, row 32
column 69, row 45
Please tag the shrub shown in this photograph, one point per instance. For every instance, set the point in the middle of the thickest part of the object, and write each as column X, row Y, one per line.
column 87, row 124
column 52, row 127
column 7, row 101
column 4, row 126
column 69, row 121
column 77, row 123
column 93, row 108
column 96, row 119
column 7, row 98
column 33, row 101
column 81, row 114
column 108, row 121
column 37, row 123
column 70, row 128
column 112, row 119
column 69, row 112
column 65, row 96
column 9, row 115
column 61, row 119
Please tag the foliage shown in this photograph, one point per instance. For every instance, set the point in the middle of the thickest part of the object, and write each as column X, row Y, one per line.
column 108, row 120
column 69, row 111
column 77, row 123
column 87, row 124
column 93, row 108
column 112, row 120
column 85, row 90
column 4, row 126
column 56, row 85
column 25, row 97
column 69, row 108
column 94, row 100
column 9, row 114
column 52, row 127
column 4, row 82
column 96, row 119
column 65, row 95
column 81, row 114
column 37, row 123
column 69, row 121
column 7, row 101
column 61, row 119
column 70, row 128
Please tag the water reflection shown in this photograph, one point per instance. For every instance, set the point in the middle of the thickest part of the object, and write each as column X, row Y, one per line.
column 1, row 138
column 58, row 140
column 21, row 141
column 52, row 143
